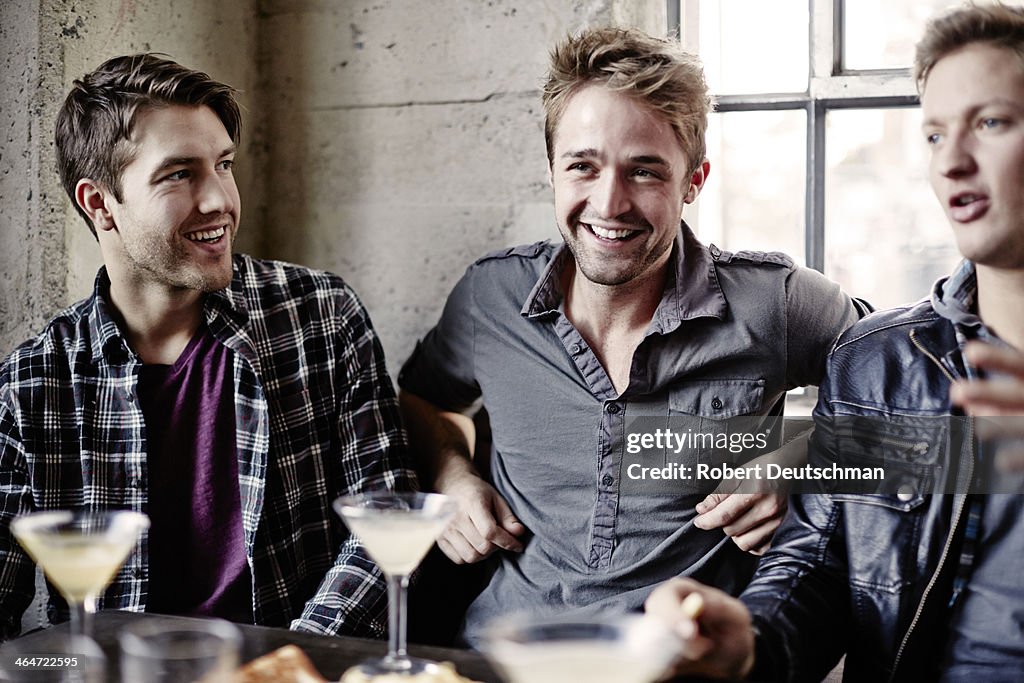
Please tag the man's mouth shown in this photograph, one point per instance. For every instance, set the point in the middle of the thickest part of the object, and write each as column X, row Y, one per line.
column 611, row 234
column 207, row 236
column 967, row 206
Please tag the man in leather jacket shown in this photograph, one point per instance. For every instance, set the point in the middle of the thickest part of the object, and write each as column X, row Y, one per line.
column 910, row 586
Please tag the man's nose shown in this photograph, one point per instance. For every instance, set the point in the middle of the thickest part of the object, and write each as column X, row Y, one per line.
column 215, row 195
column 956, row 157
column 610, row 197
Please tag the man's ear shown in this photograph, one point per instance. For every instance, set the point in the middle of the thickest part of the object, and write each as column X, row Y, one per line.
column 697, row 180
column 92, row 198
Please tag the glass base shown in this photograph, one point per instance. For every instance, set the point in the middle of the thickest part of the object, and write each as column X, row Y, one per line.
column 402, row 666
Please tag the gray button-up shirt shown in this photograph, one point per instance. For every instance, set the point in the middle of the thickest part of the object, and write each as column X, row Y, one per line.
column 731, row 334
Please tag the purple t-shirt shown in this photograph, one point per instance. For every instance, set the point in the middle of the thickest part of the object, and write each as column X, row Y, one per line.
column 197, row 562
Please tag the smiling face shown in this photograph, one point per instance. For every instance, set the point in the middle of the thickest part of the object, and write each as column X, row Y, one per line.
column 620, row 179
column 177, row 222
column 973, row 105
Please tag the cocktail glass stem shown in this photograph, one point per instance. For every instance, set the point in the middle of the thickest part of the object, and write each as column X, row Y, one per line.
column 80, row 625
column 398, row 585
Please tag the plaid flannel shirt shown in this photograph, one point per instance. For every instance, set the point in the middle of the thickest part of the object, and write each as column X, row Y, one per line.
column 316, row 417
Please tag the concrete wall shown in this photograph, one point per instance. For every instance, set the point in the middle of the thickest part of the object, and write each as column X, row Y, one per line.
column 389, row 141
column 48, row 257
column 405, row 139
column 32, row 263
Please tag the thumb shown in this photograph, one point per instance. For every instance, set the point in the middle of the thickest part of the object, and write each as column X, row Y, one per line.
column 508, row 521
column 711, row 502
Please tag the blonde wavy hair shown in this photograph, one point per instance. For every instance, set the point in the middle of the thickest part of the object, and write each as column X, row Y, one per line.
column 655, row 71
column 996, row 24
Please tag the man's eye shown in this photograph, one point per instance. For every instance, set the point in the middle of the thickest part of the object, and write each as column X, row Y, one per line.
column 177, row 175
column 645, row 173
column 991, row 123
column 582, row 167
column 932, row 138
column 227, row 164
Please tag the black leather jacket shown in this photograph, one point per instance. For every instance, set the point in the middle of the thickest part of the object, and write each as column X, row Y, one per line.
column 867, row 575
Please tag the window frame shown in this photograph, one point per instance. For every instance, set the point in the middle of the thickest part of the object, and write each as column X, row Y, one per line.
column 831, row 87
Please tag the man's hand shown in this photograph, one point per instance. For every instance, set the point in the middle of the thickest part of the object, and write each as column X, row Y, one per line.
column 483, row 524
column 718, row 640
column 1000, row 398
column 749, row 519
column 744, row 509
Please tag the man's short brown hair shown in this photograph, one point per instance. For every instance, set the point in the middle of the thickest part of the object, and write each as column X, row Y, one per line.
column 94, row 126
column 997, row 24
column 655, row 71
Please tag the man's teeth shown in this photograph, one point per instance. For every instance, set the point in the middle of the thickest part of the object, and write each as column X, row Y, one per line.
column 965, row 199
column 611, row 234
column 206, row 235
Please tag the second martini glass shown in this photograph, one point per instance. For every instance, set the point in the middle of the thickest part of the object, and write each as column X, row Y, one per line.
column 80, row 552
column 397, row 530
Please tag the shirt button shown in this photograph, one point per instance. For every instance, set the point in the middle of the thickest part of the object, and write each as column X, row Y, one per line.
column 905, row 494
column 575, row 349
column 138, row 573
column 716, row 403
column 607, row 480
column 612, row 408
column 134, row 482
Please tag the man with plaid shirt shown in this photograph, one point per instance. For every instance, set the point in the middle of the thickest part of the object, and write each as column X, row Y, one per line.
column 230, row 399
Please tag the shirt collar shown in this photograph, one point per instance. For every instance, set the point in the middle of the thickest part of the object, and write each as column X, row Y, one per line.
column 955, row 298
column 691, row 289
column 108, row 342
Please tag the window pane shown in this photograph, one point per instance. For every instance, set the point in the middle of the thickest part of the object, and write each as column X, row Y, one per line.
column 731, row 31
column 754, row 197
column 886, row 237
column 881, row 34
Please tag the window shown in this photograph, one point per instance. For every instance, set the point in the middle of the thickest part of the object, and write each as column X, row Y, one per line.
column 815, row 146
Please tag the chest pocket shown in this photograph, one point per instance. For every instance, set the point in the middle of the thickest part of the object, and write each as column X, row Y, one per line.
column 717, row 399
column 912, row 452
column 709, row 412
column 887, row 533
column 700, row 418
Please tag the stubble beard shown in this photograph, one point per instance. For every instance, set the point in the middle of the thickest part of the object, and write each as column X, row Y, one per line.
column 171, row 265
column 612, row 271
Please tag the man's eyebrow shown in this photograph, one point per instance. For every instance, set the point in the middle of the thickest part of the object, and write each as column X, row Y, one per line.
column 580, row 153
column 975, row 109
column 650, row 160
column 170, row 162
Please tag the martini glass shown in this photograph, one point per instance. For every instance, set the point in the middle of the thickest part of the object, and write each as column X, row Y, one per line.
column 80, row 552
column 397, row 529
column 625, row 648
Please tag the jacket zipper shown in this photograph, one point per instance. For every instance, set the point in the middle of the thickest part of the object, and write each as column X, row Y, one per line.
column 917, row 447
column 952, row 530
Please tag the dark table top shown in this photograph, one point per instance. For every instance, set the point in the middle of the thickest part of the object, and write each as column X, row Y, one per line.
column 331, row 655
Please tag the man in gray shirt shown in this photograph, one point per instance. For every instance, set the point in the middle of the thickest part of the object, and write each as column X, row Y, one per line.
column 630, row 317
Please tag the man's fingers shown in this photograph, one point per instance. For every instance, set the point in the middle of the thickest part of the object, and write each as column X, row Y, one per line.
column 766, row 509
column 989, row 397
column 486, row 534
column 1006, row 428
column 989, row 357
column 1010, row 459
column 758, row 539
column 726, row 509
column 509, row 522
column 725, row 488
column 457, row 550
